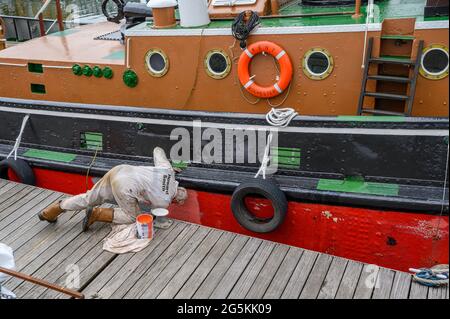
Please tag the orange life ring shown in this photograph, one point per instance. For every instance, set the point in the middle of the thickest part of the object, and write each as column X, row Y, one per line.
column 285, row 69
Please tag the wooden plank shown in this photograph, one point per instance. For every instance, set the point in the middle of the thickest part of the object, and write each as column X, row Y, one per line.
column 418, row 291
column 251, row 272
column 300, row 275
column 15, row 213
column 27, row 225
column 232, row 275
column 5, row 189
column 437, row 293
column 267, row 273
column 384, row 283
column 349, row 281
column 127, row 268
column 316, row 277
column 29, row 261
column 205, row 267
column 284, row 273
column 201, row 236
column 89, row 265
column 12, row 196
column 160, row 263
column 333, row 279
column 56, row 266
column 401, row 285
column 216, row 274
column 174, row 284
column 367, row 282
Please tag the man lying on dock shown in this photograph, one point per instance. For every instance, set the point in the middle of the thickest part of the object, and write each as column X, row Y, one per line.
column 128, row 186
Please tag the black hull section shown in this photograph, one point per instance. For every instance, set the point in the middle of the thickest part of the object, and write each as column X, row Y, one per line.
column 397, row 163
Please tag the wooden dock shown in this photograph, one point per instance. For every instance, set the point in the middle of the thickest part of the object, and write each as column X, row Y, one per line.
column 185, row 261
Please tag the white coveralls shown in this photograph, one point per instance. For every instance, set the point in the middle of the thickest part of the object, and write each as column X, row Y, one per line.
column 128, row 186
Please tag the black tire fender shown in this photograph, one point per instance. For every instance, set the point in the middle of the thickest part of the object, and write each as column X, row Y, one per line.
column 20, row 168
column 267, row 189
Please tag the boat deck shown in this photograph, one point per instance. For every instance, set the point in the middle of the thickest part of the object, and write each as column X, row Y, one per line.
column 185, row 261
column 77, row 44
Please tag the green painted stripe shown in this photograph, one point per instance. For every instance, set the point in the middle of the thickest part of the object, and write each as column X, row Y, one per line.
column 50, row 155
column 396, row 57
column 286, row 149
column 287, row 160
column 284, row 153
column 370, row 118
column 398, row 37
column 288, row 166
column 351, row 185
column 180, row 164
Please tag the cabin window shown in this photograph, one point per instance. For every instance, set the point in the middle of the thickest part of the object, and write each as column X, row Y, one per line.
column 157, row 62
column 38, row 88
column 217, row 64
column 317, row 64
column 35, row 68
column 434, row 64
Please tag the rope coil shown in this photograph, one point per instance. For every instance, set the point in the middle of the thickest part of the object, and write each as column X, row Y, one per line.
column 243, row 25
column 432, row 277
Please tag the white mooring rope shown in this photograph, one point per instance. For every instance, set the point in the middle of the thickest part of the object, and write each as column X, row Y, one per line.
column 281, row 117
column 278, row 118
column 19, row 138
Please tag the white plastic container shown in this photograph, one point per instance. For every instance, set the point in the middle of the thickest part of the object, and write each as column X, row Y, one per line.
column 193, row 13
column 6, row 260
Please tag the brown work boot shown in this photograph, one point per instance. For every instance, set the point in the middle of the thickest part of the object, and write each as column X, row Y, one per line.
column 51, row 213
column 97, row 214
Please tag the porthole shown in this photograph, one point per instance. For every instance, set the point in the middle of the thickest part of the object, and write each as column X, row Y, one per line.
column 434, row 64
column 318, row 64
column 217, row 64
column 157, row 62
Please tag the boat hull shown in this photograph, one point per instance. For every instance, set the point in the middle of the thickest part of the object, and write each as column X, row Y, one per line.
column 369, row 189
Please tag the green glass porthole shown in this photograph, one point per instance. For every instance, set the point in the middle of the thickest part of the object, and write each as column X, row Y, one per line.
column 97, row 71
column 77, row 70
column 87, row 70
column 108, row 72
column 130, row 78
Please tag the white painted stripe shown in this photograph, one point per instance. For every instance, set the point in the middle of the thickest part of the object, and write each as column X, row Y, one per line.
column 56, row 67
column 13, row 64
column 250, row 82
column 231, row 126
column 260, row 31
column 280, row 55
column 250, row 55
column 277, row 88
column 428, row 25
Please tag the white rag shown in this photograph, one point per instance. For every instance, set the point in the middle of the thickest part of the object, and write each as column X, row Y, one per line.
column 123, row 239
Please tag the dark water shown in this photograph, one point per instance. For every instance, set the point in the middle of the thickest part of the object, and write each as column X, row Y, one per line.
column 31, row 7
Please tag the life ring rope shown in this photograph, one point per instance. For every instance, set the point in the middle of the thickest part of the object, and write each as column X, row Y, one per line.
column 280, row 55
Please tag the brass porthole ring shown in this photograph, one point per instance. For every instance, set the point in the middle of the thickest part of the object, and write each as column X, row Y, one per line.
column 217, row 64
column 157, row 62
column 434, row 62
column 318, row 64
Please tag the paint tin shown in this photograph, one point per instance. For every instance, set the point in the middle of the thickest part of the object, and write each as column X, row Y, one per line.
column 160, row 212
column 144, row 225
